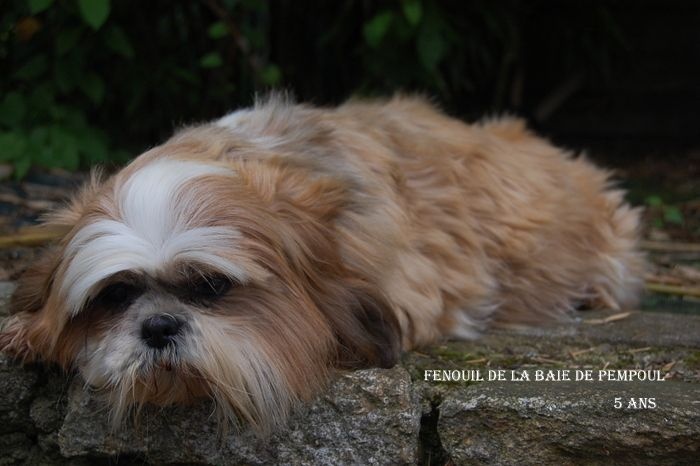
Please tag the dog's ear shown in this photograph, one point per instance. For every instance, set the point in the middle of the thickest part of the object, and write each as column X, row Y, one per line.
column 34, row 284
column 62, row 220
column 367, row 330
column 22, row 335
column 14, row 338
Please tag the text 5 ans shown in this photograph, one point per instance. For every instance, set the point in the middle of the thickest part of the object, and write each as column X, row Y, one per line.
column 635, row 403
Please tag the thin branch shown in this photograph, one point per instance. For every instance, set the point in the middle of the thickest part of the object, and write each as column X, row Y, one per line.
column 29, row 239
column 674, row 290
column 667, row 246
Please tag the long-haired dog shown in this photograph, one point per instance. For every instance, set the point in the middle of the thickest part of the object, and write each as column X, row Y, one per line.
column 246, row 258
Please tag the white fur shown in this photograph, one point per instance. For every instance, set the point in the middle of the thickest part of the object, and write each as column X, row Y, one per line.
column 243, row 123
column 469, row 324
column 233, row 119
column 151, row 232
column 103, row 362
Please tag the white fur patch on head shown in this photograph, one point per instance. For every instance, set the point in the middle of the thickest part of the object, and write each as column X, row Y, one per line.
column 153, row 230
column 252, row 128
column 234, row 119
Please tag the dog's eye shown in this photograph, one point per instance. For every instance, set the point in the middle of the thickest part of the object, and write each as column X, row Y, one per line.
column 118, row 295
column 211, row 287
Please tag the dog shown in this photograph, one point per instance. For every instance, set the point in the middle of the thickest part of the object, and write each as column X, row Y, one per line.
column 246, row 259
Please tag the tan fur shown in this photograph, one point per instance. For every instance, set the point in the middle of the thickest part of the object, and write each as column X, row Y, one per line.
column 366, row 229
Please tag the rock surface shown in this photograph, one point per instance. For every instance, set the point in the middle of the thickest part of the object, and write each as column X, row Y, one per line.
column 555, row 423
column 394, row 416
column 365, row 417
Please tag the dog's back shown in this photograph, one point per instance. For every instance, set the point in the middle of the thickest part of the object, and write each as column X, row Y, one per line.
column 463, row 225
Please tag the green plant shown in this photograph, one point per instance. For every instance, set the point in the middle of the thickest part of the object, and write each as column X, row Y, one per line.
column 475, row 53
column 663, row 214
column 90, row 80
column 40, row 123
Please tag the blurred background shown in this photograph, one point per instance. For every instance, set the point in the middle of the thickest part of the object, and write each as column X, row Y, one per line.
column 84, row 82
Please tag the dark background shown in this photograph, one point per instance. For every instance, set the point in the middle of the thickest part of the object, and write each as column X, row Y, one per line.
column 94, row 81
column 85, row 82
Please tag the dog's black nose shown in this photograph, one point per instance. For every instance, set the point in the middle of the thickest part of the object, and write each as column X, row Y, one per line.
column 158, row 331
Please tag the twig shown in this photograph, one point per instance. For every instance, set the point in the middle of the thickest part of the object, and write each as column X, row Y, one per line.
column 476, row 361
column 664, row 279
column 667, row 246
column 557, row 97
column 546, row 360
column 29, row 239
column 232, row 28
column 674, row 290
column 575, row 354
column 612, row 318
column 668, row 366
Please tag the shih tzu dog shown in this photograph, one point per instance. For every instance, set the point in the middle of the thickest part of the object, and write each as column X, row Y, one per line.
column 245, row 259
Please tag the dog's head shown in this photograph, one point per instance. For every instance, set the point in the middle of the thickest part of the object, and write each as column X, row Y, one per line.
column 184, row 277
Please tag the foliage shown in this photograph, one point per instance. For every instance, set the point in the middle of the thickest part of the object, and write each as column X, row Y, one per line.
column 77, row 66
column 85, row 81
column 662, row 213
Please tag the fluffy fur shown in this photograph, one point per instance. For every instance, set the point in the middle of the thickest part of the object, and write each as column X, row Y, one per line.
column 287, row 240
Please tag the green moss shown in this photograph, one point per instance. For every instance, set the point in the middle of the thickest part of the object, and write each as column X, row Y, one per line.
column 692, row 361
column 452, row 352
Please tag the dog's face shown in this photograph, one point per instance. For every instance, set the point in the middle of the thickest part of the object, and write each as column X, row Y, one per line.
column 181, row 278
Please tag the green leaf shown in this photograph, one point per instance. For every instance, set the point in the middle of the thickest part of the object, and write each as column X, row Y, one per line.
column 42, row 96
column 40, row 146
column 673, row 215
column 255, row 36
column 22, row 166
column 94, row 88
column 66, row 76
column 65, row 149
column 430, row 45
column 92, row 145
column 37, row 6
column 271, row 75
column 117, row 40
column 57, row 113
column 254, row 5
column 39, row 136
column 413, row 11
column 211, row 60
column 74, row 118
column 12, row 146
column 120, row 156
column 66, row 40
column 12, row 109
column 94, row 12
column 653, row 201
column 376, row 28
column 186, row 75
column 33, row 69
column 217, row 30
